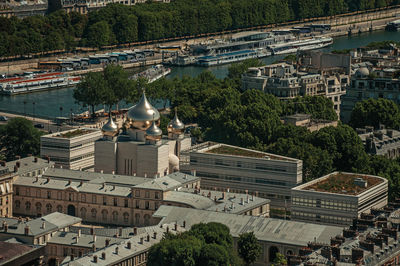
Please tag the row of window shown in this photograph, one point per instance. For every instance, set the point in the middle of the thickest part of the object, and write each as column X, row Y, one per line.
column 326, row 204
column 242, row 179
column 321, row 218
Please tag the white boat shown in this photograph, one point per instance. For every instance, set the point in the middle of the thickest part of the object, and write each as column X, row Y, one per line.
column 227, row 58
column 34, row 83
column 152, row 74
column 301, row 45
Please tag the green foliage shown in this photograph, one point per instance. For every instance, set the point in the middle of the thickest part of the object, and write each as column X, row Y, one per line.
column 204, row 244
column 372, row 112
column 248, row 248
column 382, row 45
column 19, row 137
column 117, row 23
column 318, row 106
column 236, row 70
column 279, row 260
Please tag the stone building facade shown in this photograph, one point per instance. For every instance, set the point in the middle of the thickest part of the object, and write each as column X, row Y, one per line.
column 385, row 142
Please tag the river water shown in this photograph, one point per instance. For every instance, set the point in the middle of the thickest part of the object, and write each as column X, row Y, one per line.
column 47, row 104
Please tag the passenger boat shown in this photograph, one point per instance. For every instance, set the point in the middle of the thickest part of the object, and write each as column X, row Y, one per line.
column 34, row 83
column 152, row 74
column 301, row 45
column 227, row 58
column 393, row 26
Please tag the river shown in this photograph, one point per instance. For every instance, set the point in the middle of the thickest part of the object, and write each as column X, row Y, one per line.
column 47, row 104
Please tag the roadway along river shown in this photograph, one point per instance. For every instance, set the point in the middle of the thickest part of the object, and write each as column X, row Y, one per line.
column 47, row 104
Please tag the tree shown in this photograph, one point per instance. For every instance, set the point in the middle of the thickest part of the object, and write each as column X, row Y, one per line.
column 279, row 260
column 248, row 248
column 19, row 137
column 373, row 112
column 236, row 70
column 117, row 84
column 90, row 91
column 99, row 34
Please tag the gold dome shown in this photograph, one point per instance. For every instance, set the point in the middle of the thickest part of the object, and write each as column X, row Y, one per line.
column 153, row 132
column 175, row 125
column 142, row 114
column 110, row 128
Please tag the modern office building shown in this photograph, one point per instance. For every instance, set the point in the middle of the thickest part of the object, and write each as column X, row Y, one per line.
column 242, row 170
column 338, row 198
column 71, row 149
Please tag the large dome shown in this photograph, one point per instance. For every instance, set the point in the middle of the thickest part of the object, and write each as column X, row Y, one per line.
column 142, row 114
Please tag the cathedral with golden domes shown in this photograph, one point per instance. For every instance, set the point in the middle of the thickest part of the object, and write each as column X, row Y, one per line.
column 141, row 149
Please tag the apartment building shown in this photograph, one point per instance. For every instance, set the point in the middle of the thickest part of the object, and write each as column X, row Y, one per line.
column 385, row 142
column 338, row 198
column 71, row 149
column 240, row 170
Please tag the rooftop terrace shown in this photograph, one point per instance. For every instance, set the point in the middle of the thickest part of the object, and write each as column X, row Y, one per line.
column 73, row 134
column 343, row 183
column 229, row 150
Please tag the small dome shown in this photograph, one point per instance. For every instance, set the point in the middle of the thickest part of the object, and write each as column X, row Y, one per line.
column 362, row 72
column 173, row 161
column 153, row 132
column 175, row 125
column 110, row 128
column 141, row 115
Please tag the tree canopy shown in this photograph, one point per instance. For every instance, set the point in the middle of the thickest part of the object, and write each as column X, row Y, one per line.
column 248, row 248
column 19, row 137
column 203, row 244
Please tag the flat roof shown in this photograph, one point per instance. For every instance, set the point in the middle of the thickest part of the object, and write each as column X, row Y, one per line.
column 72, row 133
column 265, row 229
column 224, row 149
column 341, row 183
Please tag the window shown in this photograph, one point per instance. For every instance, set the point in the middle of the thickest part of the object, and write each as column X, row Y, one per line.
column 115, row 216
column 147, row 194
column 38, row 207
column 49, row 194
column 137, row 204
column 104, row 214
column 125, row 203
column 137, row 193
column 94, row 199
column 155, row 205
column 115, row 202
column 59, row 208
column 137, row 219
column 83, row 198
column 17, row 191
column 147, row 205
column 28, row 192
column 126, row 217
column 49, row 208
column 59, row 195
column 70, row 197
column 94, row 213
column 104, row 200
column 38, row 193
column 17, row 204
column 83, row 213
column 157, row 195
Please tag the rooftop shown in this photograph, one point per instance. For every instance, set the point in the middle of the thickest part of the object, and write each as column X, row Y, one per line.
column 73, row 134
column 342, row 183
column 236, row 151
column 9, row 251
column 265, row 229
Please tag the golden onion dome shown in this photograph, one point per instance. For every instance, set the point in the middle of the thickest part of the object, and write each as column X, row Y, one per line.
column 110, row 128
column 175, row 125
column 153, row 132
column 141, row 114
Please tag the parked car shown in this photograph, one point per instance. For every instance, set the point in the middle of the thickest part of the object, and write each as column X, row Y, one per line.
column 3, row 118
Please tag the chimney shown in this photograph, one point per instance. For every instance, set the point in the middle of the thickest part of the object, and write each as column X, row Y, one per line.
column 113, row 172
column 141, row 240
column 193, row 172
column 94, row 247
column 27, row 230
column 145, row 174
column 18, row 164
column 389, row 132
column 95, row 259
column 241, row 201
column 36, row 179
column 107, row 242
column 101, row 171
column 81, row 183
column 103, row 255
column 15, row 169
column 72, row 257
column 43, row 225
column 69, row 182
column 134, row 173
column 135, row 230
column 167, row 229
column 148, row 238
column 94, row 238
column 35, row 160
column 91, row 230
column 129, row 245
column 184, row 224
column 76, row 239
column 155, row 235
column 116, row 250
column 5, row 227
column 120, row 231
column 176, row 227
column 48, row 159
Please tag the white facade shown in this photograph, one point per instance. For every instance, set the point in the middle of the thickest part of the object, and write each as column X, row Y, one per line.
column 71, row 149
column 319, row 206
